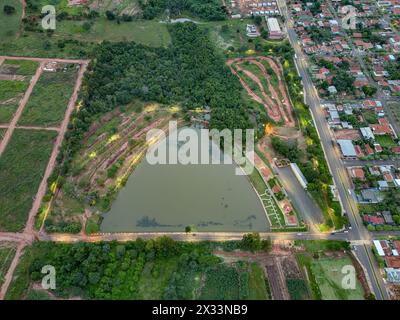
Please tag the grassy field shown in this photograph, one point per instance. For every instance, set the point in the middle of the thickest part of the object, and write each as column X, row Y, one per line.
column 257, row 283
column 23, row 67
column 33, row 44
column 21, row 168
column 228, row 33
column 7, row 252
column 49, row 98
column 60, row 5
column 9, row 24
column 10, row 93
column 385, row 141
column 7, row 112
column 241, row 280
column 148, row 32
column 297, row 288
column 11, row 88
column 329, row 277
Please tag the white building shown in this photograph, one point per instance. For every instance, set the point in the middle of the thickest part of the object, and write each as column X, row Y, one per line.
column 274, row 28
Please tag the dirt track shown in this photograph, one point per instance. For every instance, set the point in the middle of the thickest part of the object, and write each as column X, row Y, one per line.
column 277, row 110
column 29, row 235
column 20, row 109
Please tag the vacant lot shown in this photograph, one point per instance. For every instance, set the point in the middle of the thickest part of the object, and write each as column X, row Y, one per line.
column 11, row 92
column 385, row 141
column 328, row 274
column 21, row 67
column 11, row 88
column 49, row 98
column 7, row 252
column 9, row 23
column 148, row 32
column 7, row 111
column 21, row 168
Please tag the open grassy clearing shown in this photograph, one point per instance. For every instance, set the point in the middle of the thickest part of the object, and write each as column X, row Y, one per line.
column 22, row 67
column 148, row 32
column 298, row 289
column 324, row 261
column 7, row 111
column 12, row 88
column 328, row 275
column 2, row 133
column 33, row 44
column 228, row 33
column 257, row 283
column 21, row 168
column 60, row 5
column 9, row 24
column 11, row 91
column 394, row 109
column 7, row 252
column 385, row 141
column 49, row 98
column 128, row 7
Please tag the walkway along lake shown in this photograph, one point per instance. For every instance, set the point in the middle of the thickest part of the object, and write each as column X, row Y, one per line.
column 170, row 197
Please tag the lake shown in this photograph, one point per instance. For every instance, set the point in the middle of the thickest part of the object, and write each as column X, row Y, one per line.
column 167, row 198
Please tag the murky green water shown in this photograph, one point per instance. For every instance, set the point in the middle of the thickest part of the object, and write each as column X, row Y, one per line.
column 171, row 197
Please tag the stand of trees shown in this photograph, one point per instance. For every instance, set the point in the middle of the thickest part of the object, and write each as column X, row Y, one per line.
column 189, row 72
column 205, row 9
column 9, row 10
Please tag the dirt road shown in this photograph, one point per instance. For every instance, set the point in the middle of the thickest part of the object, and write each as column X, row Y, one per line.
column 50, row 166
column 9, row 275
column 277, row 110
column 6, row 126
column 20, row 109
column 75, row 61
column 29, row 234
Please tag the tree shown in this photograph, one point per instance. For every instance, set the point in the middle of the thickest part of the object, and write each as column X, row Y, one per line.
column 369, row 91
column 110, row 15
column 257, row 20
column 251, row 242
column 9, row 10
column 343, row 82
column 188, row 229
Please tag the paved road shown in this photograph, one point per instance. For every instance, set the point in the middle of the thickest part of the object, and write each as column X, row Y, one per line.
column 302, row 202
column 336, row 166
column 351, row 163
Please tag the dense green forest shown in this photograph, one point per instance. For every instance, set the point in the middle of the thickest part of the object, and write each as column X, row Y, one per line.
column 189, row 72
column 155, row 269
column 205, row 9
